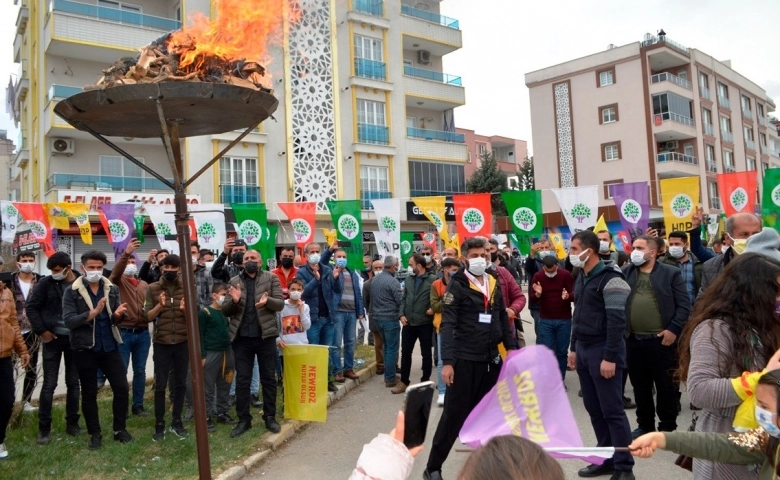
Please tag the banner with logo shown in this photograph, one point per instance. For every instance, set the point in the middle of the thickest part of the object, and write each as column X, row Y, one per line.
column 58, row 217
column 80, row 213
column 252, row 218
column 560, row 248
column 10, row 216
column 330, row 235
column 473, row 215
column 429, row 240
column 119, row 224
column 346, row 216
column 38, row 221
column 306, row 382
column 580, row 206
column 435, row 210
column 268, row 247
column 407, row 247
column 525, row 212
column 210, row 225
column 452, row 242
column 738, row 191
column 164, row 226
column 303, row 218
column 388, row 217
column 633, row 204
column 679, row 197
column 770, row 202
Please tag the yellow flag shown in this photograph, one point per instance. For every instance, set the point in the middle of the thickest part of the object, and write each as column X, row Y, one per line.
column 330, row 235
column 435, row 210
column 557, row 241
column 306, row 382
column 679, row 197
column 58, row 217
column 80, row 212
column 453, row 242
column 601, row 225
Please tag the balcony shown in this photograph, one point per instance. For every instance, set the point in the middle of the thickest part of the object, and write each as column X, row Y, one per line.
column 750, row 144
column 21, row 19
column 666, row 116
column 436, row 90
column 673, row 164
column 89, row 32
column 435, row 135
column 429, row 31
column 373, row 134
column 668, row 77
column 22, row 155
column 672, row 126
column 704, row 92
column 429, row 16
column 709, row 129
column 104, row 183
column 715, row 203
column 433, row 76
column 239, row 194
column 726, row 136
column 774, row 153
column 421, row 148
column 370, row 69
column 712, row 166
column 762, row 120
column 676, row 157
column 724, row 102
column 747, row 113
column 729, row 168
column 764, row 150
column 60, row 92
column 369, row 7
column 366, row 196
column 680, row 48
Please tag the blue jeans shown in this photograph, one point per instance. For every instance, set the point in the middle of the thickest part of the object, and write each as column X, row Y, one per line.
column 346, row 331
column 323, row 332
column 254, row 386
column 556, row 335
column 137, row 345
column 390, row 330
column 442, row 387
column 535, row 314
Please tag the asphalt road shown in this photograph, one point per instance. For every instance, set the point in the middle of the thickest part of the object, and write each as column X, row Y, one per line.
column 329, row 451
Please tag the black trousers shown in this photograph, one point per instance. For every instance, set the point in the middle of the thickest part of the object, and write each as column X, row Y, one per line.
column 245, row 349
column 409, row 336
column 170, row 358
column 88, row 362
column 31, row 375
column 54, row 353
column 6, row 394
column 472, row 381
column 650, row 363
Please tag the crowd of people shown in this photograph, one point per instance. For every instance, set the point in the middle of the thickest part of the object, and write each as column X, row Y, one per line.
column 668, row 313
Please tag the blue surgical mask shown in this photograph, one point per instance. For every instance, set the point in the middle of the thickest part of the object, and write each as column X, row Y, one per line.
column 341, row 262
column 765, row 419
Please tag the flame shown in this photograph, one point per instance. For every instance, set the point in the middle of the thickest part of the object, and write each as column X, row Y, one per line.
column 242, row 29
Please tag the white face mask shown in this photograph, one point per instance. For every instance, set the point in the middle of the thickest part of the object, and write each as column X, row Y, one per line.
column 130, row 270
column 314, row 258
column 221, row 300
column 194, row 260
column 26, row 267
column 551, row 274
column 677, row 252
column 93, row 276
column 603, row 247
column 638, row 258
column 545, row 253
column 577, row 261
column 477, row 266
column 209, row 265
column 296, row 295
column 427, row 259
column 410, row 270
column 59, row 276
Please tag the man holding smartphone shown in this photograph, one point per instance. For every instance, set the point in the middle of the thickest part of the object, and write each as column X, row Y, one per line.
column 474, row 322
column 235, row 248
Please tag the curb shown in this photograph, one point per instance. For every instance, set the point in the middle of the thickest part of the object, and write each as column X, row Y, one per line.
column 270, row 442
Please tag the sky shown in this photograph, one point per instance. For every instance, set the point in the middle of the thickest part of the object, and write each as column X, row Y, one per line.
column 505, row 39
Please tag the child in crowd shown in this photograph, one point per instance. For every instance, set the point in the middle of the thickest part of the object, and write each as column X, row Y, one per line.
column 293, row 320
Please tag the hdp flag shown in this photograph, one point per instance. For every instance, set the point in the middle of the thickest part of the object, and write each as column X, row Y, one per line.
column 473, row 215
column 679, row 197
column 738, row 191
column 347, row 220
column 303, row 217
column 252, row 218
column 38, row 221
column 525, row 212
column 407, row 247
column 770, row 202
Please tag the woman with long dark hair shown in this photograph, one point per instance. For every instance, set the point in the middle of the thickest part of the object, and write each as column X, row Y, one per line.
column 734, row 328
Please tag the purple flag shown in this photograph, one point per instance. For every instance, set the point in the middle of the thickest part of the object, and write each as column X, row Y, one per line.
column 529, row 401
column 119, row 223
column 633, row 204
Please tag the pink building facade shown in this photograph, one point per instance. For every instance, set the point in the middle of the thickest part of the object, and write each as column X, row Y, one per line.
column 510, row 153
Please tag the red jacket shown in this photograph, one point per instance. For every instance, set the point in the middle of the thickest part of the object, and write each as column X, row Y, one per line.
column 513, row 296
column 284, row 280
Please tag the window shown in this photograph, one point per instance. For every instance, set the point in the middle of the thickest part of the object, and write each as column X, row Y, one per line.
column 608, row 187
column 751, row 164
column 368, row 48
column 728, row 160
column 481, row 149
column 760, row 109
column 120, row 6
column 762, row 139
column 436, row 178
column 710, row 153
column 688, row 149
column 764, row 166
column 374, row 185
column 411, row 122
column 116, row 166
column 610, row 151
column 725, row 124
column 608, row 114
column 745, row 103
column 671, row 106
column 605, row 77
column 707, row 116
column 371, row 113
column 683, row 74
column 712, row 189
column 704, row 80
column 748, row 133
column 723, row 91
column 238, row 180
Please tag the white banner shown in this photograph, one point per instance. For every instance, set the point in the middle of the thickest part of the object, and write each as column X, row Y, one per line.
column 10, row 216
column 580, row 206
column 388, row 217
column 210, row 223
column 164, row 226
column 96, row 198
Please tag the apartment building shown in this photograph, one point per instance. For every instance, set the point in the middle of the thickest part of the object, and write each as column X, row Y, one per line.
column 510, row 153
column 6, row 163
column 365, row 110
column 649, row 110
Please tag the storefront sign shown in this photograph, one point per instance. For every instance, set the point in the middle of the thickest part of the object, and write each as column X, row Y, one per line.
column 414, row 214
column 95, row 199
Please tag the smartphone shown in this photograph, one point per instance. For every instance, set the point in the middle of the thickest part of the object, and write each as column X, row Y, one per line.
column 417, row 410
column 239, row 242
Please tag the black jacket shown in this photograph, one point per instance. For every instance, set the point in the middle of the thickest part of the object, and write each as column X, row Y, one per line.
column 462, row 336
column 147, row 273
column 44, row 307
column 223, row 271
column 76, row 304
column 670, row 291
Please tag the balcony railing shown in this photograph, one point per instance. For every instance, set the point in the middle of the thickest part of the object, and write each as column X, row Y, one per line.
column 432, row 76
column 675, row 118
column 376, row 134
column 726, row 136
column 104, row 183
column 669, row 42
column 430, row 16
column 239, row 194
column 709, row 129
column 677, row 157
column 668, row 77
column 115, row 15
column 724, row 102
column 370, row 69
column 370, row 7
column 764, row 150
column 63, row 91
column 712, row 166
column 704, row 92
column 762, row 120
column 747, row 113
column 774, row 153
column 715, row 203
column 367, row 196
column 729, row 168
column 435, row 135
column 21, row 142
column 750, row 144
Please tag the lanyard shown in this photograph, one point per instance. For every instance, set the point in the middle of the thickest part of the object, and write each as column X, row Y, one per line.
column 482, row 288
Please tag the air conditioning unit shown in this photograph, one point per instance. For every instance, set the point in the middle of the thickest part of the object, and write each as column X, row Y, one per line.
column 63, row 146
column 423, row 57
column 670, row 145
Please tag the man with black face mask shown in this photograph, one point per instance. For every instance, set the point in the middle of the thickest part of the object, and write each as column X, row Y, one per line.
column 234, row 249
column 286, row 271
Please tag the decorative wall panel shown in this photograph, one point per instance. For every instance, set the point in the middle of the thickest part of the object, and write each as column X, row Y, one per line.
column 563, row 130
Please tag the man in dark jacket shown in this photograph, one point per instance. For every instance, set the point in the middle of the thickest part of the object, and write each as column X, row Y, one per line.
column 474, row 322
column 533, row 264
column 739, row 227
column 150, row 270
column 349, row 311
column 234, row 249
column 256, row 295
column 44, row 309
column 679, row 256
column 598, row 351
column 417, row 320
column 375, row 339
column 386, row 297
column 91, row 310
column 657, row 311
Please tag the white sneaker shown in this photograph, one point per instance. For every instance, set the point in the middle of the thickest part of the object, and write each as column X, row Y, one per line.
column 440, row 401
column 29, row 408
column 3, row 451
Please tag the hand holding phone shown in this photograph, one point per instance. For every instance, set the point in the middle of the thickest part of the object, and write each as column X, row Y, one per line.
column 417, row 410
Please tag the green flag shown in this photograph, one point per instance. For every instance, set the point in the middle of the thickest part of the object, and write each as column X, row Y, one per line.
column 139, row 227
column 252, row 219
column 349, row 228
column 770, row 202
column 268, row 246
column 407, row 247
column 525, row 214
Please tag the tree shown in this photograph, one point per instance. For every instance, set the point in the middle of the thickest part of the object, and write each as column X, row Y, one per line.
column 525, row 218
column 118, row 230
column 739, row 198
column 207, row 232
column 473, row 219
column 631, row 210
column 348, row 226
column 37, row 229
column 580, row 211
column 488, row 178
column 388, row 224
column 163, row 229
column 300, row 230
column 682, row 204
column 525, row 175
column 250, row 231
